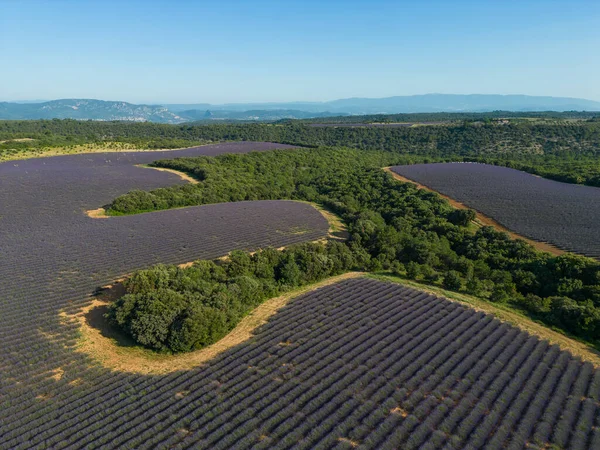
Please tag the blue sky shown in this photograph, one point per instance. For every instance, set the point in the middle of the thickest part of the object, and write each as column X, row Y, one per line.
column 248, row 51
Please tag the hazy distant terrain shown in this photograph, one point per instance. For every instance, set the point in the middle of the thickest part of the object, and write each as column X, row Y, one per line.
column 415, row 103
column 86, row 109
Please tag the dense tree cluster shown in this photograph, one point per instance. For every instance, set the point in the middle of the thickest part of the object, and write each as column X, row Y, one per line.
column 455, row 140
column 485, row 117
column 361, row 361
column 394, row 226
column 182, row 309
column 565, row 151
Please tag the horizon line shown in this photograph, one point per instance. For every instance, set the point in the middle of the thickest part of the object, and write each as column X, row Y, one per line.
column 154, row 103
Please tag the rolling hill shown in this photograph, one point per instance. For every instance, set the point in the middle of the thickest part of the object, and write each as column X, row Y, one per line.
column 87, row 109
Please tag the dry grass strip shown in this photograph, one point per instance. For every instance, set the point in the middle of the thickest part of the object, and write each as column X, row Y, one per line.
column 506, row 314
column 481, row 219
column 106, row 346
column 182, row 175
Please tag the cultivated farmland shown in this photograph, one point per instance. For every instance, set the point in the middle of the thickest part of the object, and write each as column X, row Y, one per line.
column 357, row 363
column 564, row 215
column 360, row 362
column 53, row 256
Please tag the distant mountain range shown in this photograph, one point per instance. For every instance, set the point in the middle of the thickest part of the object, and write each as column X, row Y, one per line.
column 86, row 109
column 414, row 104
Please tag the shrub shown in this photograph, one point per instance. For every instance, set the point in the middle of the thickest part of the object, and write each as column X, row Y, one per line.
column 175, row 309
column 462, row 217
column 452, row 281
column 148, row 316
column 413, row 270
column 398, row 268
column 499, row 294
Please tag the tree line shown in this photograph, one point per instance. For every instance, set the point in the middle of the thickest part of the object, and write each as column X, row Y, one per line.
column 168, row 308
column 455, row 116
column 396, row 227
column 565, row 151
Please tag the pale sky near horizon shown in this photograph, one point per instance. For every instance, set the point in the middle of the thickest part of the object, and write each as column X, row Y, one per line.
column 261, row 51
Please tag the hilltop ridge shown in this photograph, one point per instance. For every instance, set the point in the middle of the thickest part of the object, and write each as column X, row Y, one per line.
column 90, row 109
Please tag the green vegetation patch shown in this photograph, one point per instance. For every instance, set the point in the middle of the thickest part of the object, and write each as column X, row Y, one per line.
column 175, row 309
column 562, row 150
column 395, row 226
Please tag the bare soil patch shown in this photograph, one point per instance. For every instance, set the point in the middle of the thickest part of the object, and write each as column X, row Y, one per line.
column 481, row 219
column 399, row 411
column 99, row 213
column 182, row 175
column 17, row 140
column 350, row 442
column 337, row 228
column 116, row 351
column 56, row 374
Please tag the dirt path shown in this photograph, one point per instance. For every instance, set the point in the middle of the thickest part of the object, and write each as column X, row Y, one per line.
column 481, row 219
column 102, row 343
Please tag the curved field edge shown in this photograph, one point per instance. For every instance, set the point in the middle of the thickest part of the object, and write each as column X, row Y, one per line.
column 101, row 345
column 481, row 219
column 115, row 351
column 184, row 176
column 337, row 228
column 505, row 314
column 100, row 213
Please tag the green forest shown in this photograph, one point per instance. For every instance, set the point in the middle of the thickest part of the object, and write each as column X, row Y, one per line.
column 168, row 308
column 454, row 117
column 564, row 151
column 392, row 226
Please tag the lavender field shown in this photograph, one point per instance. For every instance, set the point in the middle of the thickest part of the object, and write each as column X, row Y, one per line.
column 358, row 363
column 53, row 256
column 565, row 215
